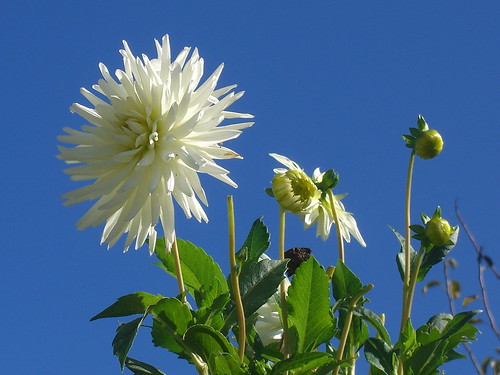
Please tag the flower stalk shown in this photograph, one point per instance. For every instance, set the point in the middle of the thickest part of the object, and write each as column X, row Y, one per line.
column 284, row 314
column 178, row 271
column 406, row 284
column 235, row 283
column 340, row 241
column 347, row 324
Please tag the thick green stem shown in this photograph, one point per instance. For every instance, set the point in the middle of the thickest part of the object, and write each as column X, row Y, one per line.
column 235, row 283
column 409, row 298
column 340, row 240
column 347, row 325
column 405, row 314
column 178, row 270
column 284, row 314
column 413, row 282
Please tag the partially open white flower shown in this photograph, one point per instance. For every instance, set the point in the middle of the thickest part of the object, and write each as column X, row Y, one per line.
column 151, row 132
column 320, row 212
column 292, row 188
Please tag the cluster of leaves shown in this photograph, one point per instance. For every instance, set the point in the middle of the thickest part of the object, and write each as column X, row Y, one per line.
column 202, row 335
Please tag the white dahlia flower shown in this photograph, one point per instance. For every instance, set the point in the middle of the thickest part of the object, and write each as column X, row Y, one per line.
column 150, row 133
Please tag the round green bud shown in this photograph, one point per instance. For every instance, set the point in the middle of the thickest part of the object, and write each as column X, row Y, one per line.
column 294, row 190
column 438, row 231
column 429, row 144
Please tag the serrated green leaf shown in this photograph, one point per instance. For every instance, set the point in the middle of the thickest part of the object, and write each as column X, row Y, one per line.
column 375, row 321
column 408, row 338
column 458, row 324
column 124, row 338
column 257, row 242
column 438, row 339
column 171, row 320
column 302, row 362
column 213, row 315
column 345, row 283
column 141, row 368
column 204, row 340
column 131, row 304
column 380, row 355
column 258, row 282
column 225, row 364
column 198, row 269
column 309, row 307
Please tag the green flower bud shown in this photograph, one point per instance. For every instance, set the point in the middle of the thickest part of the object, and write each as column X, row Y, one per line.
column 294, row 190
column 428, row 144
column 438, row 231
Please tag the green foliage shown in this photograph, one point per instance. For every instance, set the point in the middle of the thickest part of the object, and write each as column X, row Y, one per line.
column 202, row 276
column 381, row 356
column 141, row 368
column 205, row 341
column 375, row 321
column 256, row 243
column 301, row 363
column 435, row 342
column 258, row 282
column 345, row 283
column 125, row 335
column 309, row 307
column 432, row 256
column 171, row 320
column 131, row 304
column 436, row 254
column 200, row 335
column 225, row 364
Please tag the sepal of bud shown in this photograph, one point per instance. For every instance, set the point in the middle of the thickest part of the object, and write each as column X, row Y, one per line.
column 327, row 180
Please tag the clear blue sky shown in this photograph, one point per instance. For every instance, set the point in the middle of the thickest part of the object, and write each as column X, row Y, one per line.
column 331, row 84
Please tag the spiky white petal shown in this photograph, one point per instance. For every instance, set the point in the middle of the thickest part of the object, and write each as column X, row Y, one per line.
column 320, row 212
column 154, row 129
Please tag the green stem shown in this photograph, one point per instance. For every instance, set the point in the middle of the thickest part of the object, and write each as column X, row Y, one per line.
column 235, row 283
column 284, row 313
column 178, row 271
column 406, row 284
column 405, row 313
column 413, row 282
column 347, row 324
column 340, row 240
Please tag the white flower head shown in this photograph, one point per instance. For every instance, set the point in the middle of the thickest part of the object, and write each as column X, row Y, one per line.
column 321, row 212
column 292, row 188
column 150, row 133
